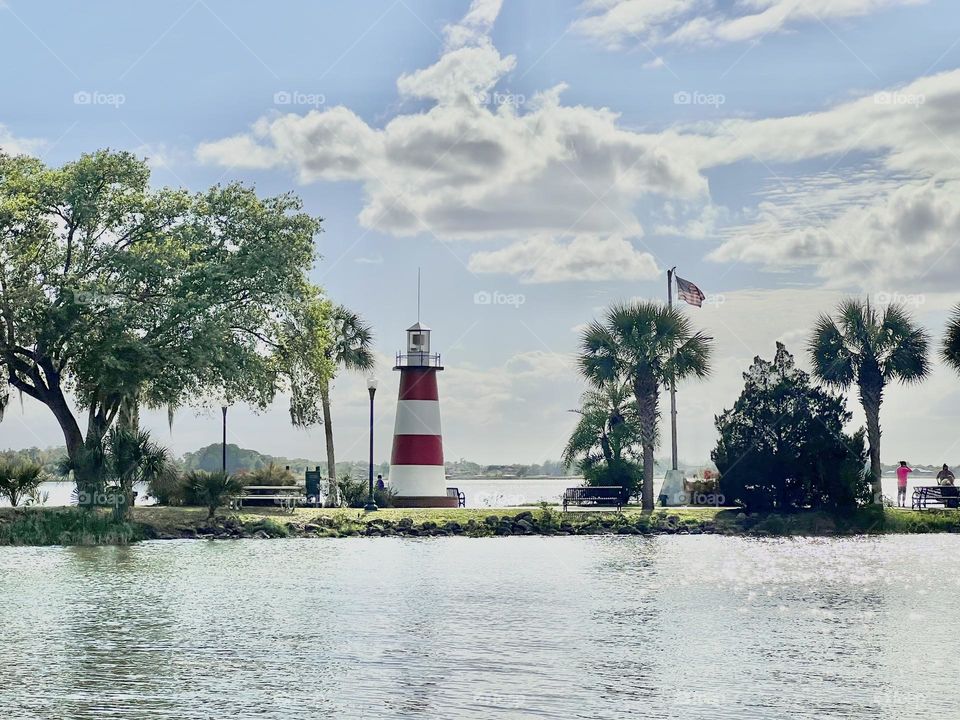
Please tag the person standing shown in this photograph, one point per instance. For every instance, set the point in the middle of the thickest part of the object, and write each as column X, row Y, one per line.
column 902, row 473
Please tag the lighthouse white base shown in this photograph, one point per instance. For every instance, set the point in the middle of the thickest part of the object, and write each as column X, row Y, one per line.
column 418, row 480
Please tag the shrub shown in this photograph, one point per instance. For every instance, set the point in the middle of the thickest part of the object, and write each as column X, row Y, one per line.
column 354, row 493
column 66, row 526
column 210, row 490
column 782, row 446
column 20, row 479
column 270, row 475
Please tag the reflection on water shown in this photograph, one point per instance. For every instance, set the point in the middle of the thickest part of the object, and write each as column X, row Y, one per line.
column 603, row 627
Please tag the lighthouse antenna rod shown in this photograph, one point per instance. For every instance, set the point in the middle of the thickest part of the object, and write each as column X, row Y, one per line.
column 418, row 294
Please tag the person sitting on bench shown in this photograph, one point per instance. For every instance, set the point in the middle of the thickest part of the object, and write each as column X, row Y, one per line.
column 945, row 477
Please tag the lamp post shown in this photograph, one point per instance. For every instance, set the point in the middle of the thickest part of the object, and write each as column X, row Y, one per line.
column 372, row 388
column 223, row 445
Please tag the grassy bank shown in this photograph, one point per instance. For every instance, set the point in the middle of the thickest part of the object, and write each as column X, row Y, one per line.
column 66, row 526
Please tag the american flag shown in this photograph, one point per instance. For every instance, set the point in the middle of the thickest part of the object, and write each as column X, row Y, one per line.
column 688, row 292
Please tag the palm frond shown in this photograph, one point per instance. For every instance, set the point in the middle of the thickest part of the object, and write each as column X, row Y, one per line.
column 832, row 359
column 950, row 350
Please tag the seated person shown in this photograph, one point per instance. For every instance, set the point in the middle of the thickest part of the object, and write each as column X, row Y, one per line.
column 945, row 477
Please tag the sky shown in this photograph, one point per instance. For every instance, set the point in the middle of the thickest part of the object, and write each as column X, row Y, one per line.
column 537, row 160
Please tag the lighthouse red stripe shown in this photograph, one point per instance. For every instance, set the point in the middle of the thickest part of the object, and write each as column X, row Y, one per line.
column 417, row 384
column 417, row 450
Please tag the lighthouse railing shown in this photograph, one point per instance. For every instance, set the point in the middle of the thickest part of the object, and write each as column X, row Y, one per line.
column 418, row 359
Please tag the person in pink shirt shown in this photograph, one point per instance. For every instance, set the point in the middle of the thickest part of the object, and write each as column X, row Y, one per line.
column 902, row 473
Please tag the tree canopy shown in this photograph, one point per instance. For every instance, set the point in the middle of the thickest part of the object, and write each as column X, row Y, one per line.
column 115, row 292
column 783, row 447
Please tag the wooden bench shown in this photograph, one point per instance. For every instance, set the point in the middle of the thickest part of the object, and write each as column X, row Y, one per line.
column 596, row 495
column 943, row 495
column 461, row 498
column 286, row 496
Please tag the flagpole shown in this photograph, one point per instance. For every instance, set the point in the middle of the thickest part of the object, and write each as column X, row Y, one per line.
column 673, row 385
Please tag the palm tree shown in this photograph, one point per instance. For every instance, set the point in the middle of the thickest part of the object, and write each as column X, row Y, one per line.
column 950, row 352
column 132, row 457
column 19, row 479
column 351, row 342
column 604, row 442
column 870, row 348
column 122, row 458
column 644, row 345
column 212, row 489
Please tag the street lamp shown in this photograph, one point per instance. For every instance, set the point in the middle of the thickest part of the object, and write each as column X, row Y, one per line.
column 371, row 505
column 223, row 445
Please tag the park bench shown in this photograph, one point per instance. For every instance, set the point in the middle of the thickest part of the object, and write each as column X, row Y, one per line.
column 286, row 496
column 597, row 495
column 461, row 498
column 944, row 495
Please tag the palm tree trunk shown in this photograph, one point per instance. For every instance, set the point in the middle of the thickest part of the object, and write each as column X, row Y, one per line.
column 647, row 490
column 871, row 398
column 333, row 494
column 646, row 392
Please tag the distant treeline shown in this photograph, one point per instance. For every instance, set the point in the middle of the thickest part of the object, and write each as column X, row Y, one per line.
column 240, row 460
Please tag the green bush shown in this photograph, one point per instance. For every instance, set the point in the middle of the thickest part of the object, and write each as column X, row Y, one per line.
column 782, row 447
column 354, row 493
column 270, row 475
column 66, row 526
column 20, row 479
column 210, row 490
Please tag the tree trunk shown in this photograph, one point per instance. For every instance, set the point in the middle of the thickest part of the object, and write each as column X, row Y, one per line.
column 647, row 394
column 871, row 397
column 333, row 492
column 647, row 492
column 72, row 436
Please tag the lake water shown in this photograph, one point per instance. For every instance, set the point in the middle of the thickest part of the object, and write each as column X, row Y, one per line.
column 480, row 492
column 532, row 627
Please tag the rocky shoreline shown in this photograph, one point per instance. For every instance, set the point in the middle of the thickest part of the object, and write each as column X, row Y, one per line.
column 524, row 523
column 69, row 526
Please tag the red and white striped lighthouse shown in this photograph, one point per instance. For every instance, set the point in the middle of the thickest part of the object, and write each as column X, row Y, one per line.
column 416, row 463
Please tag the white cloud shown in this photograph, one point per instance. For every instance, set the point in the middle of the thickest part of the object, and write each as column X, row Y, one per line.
column 615, row 23
column 478, row 164
column 547, row 259
column 891, row 219
column 564, row 184
column 12, row 145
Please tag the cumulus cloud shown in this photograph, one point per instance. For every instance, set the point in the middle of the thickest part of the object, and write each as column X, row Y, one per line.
column 892, row 216
column 12, row 145
column 479, row 163
column 615, row 23
column 564, row 184
column 547, row 259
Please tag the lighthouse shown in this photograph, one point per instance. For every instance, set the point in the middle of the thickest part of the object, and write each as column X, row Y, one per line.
column 416, row 463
